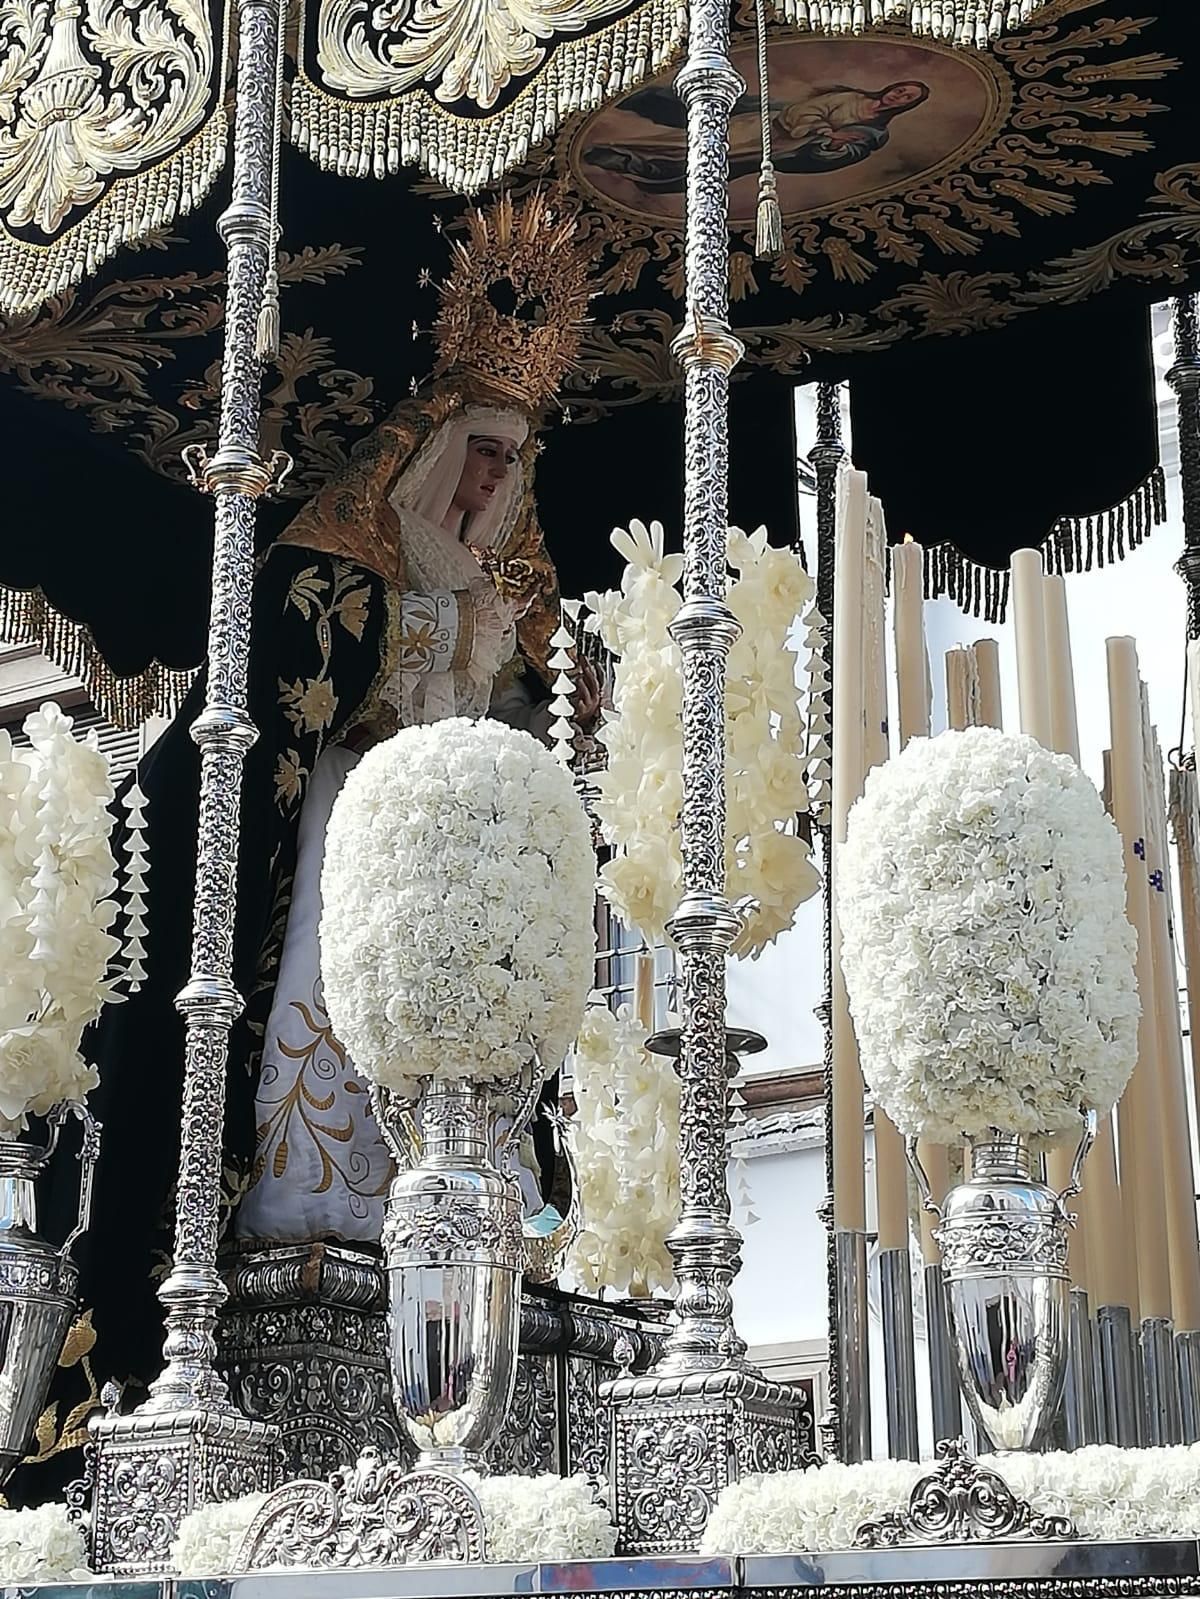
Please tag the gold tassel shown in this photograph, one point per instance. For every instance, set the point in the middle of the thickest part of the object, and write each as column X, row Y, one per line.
column 769, row 237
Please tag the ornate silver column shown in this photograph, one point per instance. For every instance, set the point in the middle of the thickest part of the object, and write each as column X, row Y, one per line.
column 704, row 1416
column 826, row 457
column 188, row 1444
column 1184, row 378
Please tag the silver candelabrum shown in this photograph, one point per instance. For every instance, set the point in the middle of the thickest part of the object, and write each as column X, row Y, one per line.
column 455, row 1252
column 37, row 1281
column 1003, row 1235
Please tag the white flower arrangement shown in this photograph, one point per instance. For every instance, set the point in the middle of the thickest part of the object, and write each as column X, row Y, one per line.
column 41, row 1546
column 768, row 864
column 457, row 935
column 1107, row 1493
column 626, row 1133
column 57, row 878
column 988, row 961
column 210, row 1538
column 525, row 1519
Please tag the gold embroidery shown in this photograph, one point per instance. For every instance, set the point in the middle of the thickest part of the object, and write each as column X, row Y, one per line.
column 308, row 705
column 464, row 645
column 423, row 636
column 298, row 1112
column 290, row 777
column 50, row 1438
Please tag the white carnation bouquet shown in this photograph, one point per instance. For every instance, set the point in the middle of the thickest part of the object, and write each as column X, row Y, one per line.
column 457, row 935
column 57, row 881
column 988, row 961
column 769, row 761
column 626, row 1132
column 41, row 1546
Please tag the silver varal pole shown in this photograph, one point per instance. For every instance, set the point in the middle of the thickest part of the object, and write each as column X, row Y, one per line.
column 1187, row 1355
column 188, row 1445
column 703, row 1403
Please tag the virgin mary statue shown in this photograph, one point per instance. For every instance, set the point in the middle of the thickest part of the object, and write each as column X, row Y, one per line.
column 414, row 587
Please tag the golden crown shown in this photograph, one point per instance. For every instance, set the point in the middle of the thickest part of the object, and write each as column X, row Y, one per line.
column 512, row 310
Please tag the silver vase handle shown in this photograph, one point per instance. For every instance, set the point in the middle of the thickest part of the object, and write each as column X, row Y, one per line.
column 397, row 1127
column 529, row 1091
column 914, row 1165
column 546, row 1253
column 89, row 1154
column 1075, row 1182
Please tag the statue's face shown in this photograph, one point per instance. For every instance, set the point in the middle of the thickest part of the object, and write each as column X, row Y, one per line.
column 489, row 462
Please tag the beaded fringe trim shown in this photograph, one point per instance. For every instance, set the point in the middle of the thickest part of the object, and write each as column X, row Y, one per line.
column 960, row 22
column 27, row 617
column 465, row 154
column 1075, row 544
column 133, row 207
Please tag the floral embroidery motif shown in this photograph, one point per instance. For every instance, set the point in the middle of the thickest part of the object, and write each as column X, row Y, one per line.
column 427, row 631
column 290, row 777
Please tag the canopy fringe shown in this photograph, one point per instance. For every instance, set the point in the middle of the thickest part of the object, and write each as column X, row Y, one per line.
column 1074, row 544
column 959, row 22
column 27, row 617
column 133, row 208
column 376, row 138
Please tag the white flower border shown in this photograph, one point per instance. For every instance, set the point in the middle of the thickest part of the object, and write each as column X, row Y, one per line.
column 773, row 752
column 1109, row 1494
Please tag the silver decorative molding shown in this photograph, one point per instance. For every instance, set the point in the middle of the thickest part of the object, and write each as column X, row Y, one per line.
column 961, row 1501
column 374, row 1514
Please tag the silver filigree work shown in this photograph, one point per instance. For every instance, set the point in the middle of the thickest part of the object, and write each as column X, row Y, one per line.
column 375, row 1514
column 960, row 1501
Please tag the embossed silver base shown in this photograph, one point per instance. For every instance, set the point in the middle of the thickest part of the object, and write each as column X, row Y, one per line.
column 152, row 1470
column 854, row 1380
column 1079, row 1395
column 303, row 1345
column 899, row 1357
column 679, row 1441
column 945, row 1397
column 1187, row 1360
column 1120, row 1388
column 1160, row 1382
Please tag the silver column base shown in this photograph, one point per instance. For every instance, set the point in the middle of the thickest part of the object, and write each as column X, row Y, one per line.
column 1079, row 1396
column 943, row 1375
column 1160, row 1382
column 899, row 1355
column 1187, row 1360
column 1120, row 1390
column 854, row 1376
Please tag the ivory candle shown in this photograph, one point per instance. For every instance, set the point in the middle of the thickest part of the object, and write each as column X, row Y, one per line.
column 959, row 672
column 1033, row 692
column 1140, row 1113
column 1183, row 1244
column 1064, row 738
column 1064, row 726
column 987, row 665
column 908, row 619
column 849, row 1144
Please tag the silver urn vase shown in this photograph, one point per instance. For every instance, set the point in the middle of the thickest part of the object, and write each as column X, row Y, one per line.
column 37, row 1283
column 1003, row 1235
column 455, row 1249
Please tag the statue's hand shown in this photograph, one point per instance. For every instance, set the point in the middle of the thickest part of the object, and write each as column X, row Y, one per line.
column 587, row 695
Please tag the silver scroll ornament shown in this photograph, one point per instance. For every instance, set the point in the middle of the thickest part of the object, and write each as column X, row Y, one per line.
column 37, row 1281
column 1003, row 1235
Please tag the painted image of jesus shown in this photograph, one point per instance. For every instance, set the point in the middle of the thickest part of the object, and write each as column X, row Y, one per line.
column 820, row 128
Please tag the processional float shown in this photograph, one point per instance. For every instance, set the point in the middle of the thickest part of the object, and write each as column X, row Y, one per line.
column 1037, row 186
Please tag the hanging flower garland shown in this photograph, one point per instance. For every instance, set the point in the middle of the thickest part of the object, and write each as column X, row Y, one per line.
column 57, row 882
column 768, row 863
column 626, row 1131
